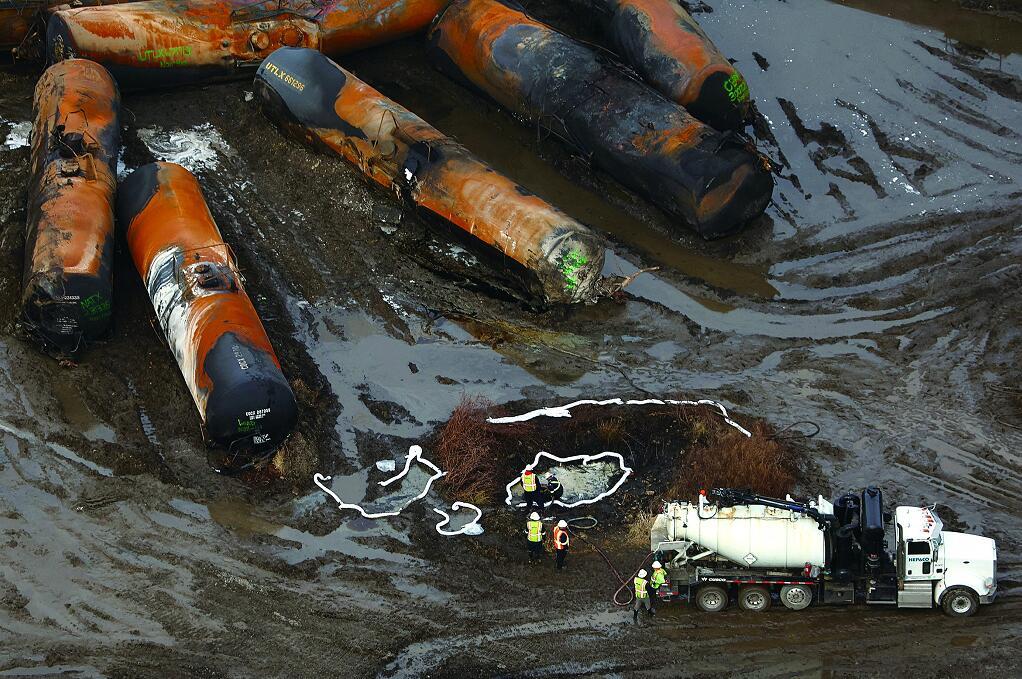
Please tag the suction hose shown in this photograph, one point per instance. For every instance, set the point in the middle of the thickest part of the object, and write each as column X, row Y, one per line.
column 624, row 583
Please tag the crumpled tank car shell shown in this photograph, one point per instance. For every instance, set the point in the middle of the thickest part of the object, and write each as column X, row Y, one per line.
column 317, row 102
column 666, row 46
column 245, row 402
column 67, row 293
column 648, row 143
column 19, row 17
column 163, row 43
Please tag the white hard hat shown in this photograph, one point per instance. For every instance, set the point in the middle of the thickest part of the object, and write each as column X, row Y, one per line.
column 562, row 524
column 642, row 573
column 657, row 564
column 534, row 516
column 529, row 467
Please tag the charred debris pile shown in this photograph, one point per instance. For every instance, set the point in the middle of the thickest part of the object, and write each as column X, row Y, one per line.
column 675, row 451
column 672, row 135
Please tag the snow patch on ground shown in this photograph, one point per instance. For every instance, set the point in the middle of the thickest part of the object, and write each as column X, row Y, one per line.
column 196, row 150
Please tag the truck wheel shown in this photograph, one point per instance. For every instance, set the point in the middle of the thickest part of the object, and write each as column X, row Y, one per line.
column 711, row 598
column 796, row 597
column 960, row 602
column 754, row 598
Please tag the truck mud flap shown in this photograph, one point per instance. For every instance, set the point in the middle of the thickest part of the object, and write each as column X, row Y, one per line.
column 245, row 402
column 167, row 43
column 67, row 291
column 713, row 182
column 665, row 45
column 315, row 101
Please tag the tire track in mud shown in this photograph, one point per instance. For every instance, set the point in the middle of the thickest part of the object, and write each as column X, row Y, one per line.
column 876, row 298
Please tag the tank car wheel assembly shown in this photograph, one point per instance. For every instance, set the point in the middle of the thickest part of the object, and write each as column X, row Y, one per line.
column 712, row 599
column 796, row 597
column 959, row 602
column 754, row 598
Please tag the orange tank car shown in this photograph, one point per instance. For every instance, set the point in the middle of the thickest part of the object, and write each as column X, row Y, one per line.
column 666, row 46
column 245, row 402
column 714, row 183
column 316, row 101
column 69, row 243
column 162, row 43
column 20, row 19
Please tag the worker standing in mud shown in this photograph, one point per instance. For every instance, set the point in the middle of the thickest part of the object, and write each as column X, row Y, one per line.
column 530, row 485
column 657, row 583
column 553, row 487
column 561, row 542
column 534, row 531
column 641, row 595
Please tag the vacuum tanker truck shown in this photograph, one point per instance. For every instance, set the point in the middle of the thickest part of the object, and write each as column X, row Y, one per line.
column 735, row 545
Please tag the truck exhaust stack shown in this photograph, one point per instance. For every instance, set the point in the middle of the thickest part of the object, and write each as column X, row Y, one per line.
column 646, row 142
column 166, row 43
column 67, row 291
column 245, row 402
column 314, row 100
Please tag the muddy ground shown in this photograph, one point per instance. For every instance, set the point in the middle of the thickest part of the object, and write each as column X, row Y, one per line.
column 878, row 297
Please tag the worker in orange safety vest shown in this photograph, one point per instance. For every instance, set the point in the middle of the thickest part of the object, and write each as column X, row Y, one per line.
column 561, row 542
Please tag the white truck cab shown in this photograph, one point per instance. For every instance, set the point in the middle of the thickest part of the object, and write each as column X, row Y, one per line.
column 936, row 567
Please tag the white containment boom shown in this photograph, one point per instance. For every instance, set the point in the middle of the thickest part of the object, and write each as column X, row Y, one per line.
column 749, row 535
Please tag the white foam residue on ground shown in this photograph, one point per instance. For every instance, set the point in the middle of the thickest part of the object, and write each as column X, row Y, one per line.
column 584, row 482
column 196, row 149
column 18, row 136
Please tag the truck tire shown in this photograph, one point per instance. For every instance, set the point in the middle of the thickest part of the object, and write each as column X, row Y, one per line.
column 711, row 598
column 796, row 597
column 754, row 598
column 959, row 602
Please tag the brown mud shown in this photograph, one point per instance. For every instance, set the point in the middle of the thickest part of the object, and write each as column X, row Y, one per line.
column 878, row 297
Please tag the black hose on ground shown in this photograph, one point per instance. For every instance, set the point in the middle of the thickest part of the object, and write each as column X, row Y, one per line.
column 625, row 583
column 779, row 435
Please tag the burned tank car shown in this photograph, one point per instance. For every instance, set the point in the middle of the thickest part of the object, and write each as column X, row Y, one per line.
column 317, row 102
column 666, row 46
column 245, row 402
column 67, row 290
column 167, row 43
column 712, row 182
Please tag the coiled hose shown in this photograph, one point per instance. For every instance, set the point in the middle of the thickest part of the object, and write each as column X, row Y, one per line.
column 624, row 583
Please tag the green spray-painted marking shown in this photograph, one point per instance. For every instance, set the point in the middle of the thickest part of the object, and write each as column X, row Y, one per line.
column 570, row 267
column 167, row 56
column 736, row 88
column 245, row 426
column 95, row 306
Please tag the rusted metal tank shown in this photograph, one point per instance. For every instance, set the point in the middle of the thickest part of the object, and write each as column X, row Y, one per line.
column 666, row 46
column 67, row 293
column 648, row 143
column 245, row 402
column 23, row 21
column 316, row 101
column 163, row 43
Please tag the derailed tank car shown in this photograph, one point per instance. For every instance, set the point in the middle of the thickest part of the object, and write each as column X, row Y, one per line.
column 67, row 290
column 316, row 101
column 648, row 143
column 23, row 21
column 245, row 402
column 665, row 45
column 163, row 43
